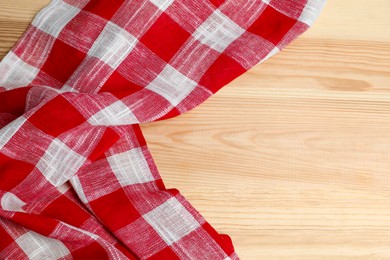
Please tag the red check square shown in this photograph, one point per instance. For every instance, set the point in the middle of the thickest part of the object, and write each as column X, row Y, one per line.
column 36, row 222
column 119, row 86
column 115, row 210
column 6, row 239
column 217, row 3
column 14, row 101
column 272, row 25
column 221, row 72
column 66, row 210
column 70, row 59
column 105, row 9
column 91, row 251
column 165, row 37
column 12, row 172
column 56, row 117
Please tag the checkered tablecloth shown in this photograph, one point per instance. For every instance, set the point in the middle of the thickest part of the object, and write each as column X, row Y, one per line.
column 76, row 177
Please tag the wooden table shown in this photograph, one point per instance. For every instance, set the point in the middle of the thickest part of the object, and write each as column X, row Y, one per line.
column 293, row 158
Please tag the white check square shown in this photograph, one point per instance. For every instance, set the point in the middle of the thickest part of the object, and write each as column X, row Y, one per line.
column 172, row 221
column 55, row 17
column 218, row 31
column 113, row 45
column 172, row 85
column 59, row 163
column 130, row 167
column 115, row 114
column 14, row 72
column 311, row 11
column 162, row 4
column 37, row 246
column 6, row 133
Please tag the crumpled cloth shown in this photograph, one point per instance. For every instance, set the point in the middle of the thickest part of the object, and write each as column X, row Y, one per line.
column 77, row 180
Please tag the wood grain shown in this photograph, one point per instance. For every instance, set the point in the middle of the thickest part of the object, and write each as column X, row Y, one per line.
column 293, row 158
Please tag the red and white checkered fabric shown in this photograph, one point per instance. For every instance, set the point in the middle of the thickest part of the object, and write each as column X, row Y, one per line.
column 76, row 177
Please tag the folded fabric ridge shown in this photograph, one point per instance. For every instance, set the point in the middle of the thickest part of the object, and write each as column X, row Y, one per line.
column 77, row 180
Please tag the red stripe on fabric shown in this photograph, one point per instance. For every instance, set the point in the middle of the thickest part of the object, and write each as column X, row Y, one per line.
column 34, row 54
column 166, row 253
column 75, row 29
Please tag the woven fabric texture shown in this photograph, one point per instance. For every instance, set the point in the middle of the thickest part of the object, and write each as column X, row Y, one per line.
column 77, row 180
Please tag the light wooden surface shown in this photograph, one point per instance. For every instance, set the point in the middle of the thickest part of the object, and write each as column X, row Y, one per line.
column 293, row 158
